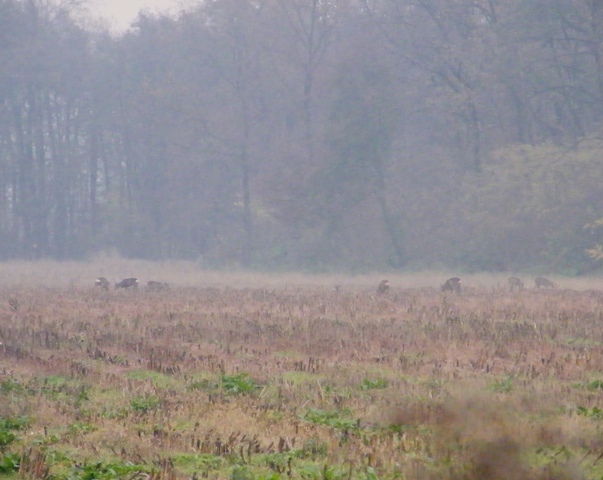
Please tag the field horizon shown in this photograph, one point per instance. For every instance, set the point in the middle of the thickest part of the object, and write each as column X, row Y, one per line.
column 81, row 274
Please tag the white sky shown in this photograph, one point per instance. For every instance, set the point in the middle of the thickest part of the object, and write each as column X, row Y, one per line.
column 120, row 13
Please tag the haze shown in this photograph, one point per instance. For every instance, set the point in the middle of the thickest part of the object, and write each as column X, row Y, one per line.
column 121, row 13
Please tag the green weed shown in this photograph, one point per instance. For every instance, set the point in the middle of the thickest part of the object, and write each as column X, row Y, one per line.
column 331, row 419
column 595, row 412
column 309, row 472
column 239, row 384
column 368, row 384
column 198, row 461
column 107, row 471
column 241, row 473
column 159, row 379
column 503, row 386
column 81, row 428
column 595, row 385
column 6, row 438
column 204, row 385
column 7, row 427
column 314, row 472
column 9, row 462
column 11, row 386
column 314, row 448
column 144, row 404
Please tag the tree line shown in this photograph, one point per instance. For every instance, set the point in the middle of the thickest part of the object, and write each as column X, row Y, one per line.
column 314, row 134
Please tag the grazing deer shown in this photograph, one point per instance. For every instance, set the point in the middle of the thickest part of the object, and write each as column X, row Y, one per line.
column 543, row 282
column 127, row 283
column 383, row 287
column 102, row 282
column 515, row 283
column 452, row 285
column 157, row 286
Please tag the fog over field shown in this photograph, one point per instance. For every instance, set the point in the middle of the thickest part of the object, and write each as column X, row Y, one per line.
column 81, row 275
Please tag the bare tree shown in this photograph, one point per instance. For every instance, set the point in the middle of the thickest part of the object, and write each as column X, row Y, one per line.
column 311, row 28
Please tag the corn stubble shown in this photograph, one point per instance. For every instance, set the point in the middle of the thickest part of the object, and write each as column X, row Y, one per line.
column 303, row 382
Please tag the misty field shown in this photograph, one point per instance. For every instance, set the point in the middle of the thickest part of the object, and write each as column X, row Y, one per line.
column 243, row 376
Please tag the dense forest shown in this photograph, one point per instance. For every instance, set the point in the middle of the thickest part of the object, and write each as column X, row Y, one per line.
column 307, row 134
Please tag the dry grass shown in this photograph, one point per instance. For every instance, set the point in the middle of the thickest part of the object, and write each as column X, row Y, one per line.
column 414, row 384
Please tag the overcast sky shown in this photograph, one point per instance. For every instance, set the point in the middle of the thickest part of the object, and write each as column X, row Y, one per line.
column 121, row 12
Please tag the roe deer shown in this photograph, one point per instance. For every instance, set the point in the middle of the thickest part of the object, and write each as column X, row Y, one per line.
column 156, row 286
column 102, row 282
column 383, row 287
column 127, row 283
column 543, row 282
column 515, row 283
column 452, row 285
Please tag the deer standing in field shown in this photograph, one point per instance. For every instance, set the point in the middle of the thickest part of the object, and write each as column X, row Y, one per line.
column 452, row 285
column 383, row 287
column 157, row 286
column 102, row 282
column 127, row 283
column 515, row 283
column 543, row 282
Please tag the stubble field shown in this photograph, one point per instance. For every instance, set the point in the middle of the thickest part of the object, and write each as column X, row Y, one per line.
column 245, row 377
